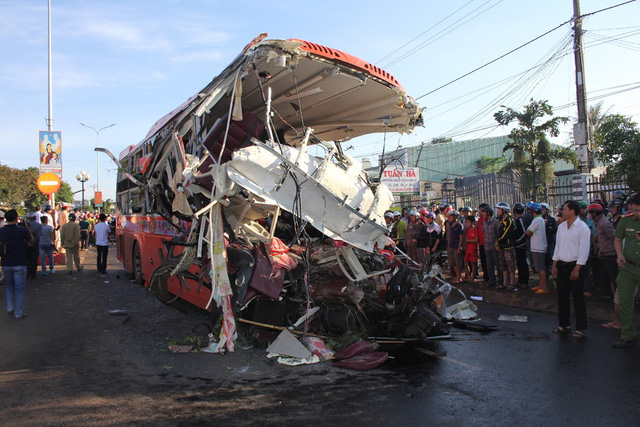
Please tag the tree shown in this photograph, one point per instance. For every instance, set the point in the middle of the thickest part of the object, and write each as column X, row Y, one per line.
column 64, row 194
column 618, row 143
column 532, row 152
column 490, row 164
column 18, row 187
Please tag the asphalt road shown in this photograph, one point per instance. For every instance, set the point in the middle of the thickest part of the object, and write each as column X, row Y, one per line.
column 71, row 362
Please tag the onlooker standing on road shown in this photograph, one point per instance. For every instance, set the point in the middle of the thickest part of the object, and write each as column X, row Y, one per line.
column 483, row 257
column 538, row 235
column 2, row 223
column 454, row 234
column 490, row 227
column 32, row 251
column 521, row 245
column 505, row 245
column 615, row 209
column 70, row 238
column 14, row 262
column 605, row 265
column 573, row 243
column 84, row 233
column 629, row 273
column 47, row 245
column 471, row 248
column 102, row 243
column 551, row 228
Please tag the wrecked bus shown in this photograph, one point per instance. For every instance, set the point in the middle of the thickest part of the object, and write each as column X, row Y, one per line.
column 222, row 204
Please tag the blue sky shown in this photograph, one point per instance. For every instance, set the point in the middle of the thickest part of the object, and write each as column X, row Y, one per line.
column 130, row 62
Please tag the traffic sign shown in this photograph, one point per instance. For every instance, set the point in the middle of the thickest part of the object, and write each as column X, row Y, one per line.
column 49, row 183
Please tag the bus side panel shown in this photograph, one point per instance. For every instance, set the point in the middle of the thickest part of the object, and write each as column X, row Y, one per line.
column 199, row 299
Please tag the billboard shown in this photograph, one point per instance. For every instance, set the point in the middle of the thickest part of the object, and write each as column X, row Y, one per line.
column 50, row 144
column 401, row 181
column 98, row 199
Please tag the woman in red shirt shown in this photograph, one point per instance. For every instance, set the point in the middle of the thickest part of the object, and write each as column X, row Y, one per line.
column 471, row 248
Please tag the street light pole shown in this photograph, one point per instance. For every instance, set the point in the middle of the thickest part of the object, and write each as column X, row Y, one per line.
column 83, row 177
column 97, row 154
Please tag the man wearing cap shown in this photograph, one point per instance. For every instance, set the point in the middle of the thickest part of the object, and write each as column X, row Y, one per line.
column 538, row 241
column 605, row 265
column 506, row 246
column 14, row 262
column 70, row 239
column 627, row 234
column 569, row 258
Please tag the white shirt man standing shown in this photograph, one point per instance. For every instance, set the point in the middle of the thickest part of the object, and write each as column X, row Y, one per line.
column 573, row 243
column 102, row 230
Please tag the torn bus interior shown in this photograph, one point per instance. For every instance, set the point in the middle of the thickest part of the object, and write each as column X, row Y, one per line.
column 263, row 228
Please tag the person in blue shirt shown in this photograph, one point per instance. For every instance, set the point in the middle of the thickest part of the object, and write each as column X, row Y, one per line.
column 14, row 262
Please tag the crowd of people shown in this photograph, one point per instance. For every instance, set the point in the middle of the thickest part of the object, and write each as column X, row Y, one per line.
column 581, row 248
column 43, row 234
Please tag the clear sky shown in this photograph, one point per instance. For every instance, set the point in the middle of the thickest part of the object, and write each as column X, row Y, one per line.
column 131, row 62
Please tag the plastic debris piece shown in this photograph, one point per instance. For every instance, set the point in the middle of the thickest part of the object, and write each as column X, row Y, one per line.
column 318, row 347
column 475, row 298
column 288, row 345
column 308, row 315
column 462, row 311
column 212, row 348
column 295, row 361
column 180, row 348
column 354, row 350
column 521, row 319
column 364, row 361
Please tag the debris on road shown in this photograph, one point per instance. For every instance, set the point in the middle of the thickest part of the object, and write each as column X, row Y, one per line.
column 506, row 318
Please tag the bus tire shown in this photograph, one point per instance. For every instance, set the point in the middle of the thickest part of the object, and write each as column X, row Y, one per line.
column 137, row 265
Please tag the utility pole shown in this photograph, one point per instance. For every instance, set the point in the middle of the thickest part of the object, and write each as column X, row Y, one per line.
column 581, row 131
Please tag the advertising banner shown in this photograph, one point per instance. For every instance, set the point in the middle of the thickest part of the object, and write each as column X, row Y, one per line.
column 98, row 199
column 402, row 181
column 50, row 153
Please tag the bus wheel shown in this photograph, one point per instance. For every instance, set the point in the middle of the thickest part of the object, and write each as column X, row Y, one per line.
column 137, row 265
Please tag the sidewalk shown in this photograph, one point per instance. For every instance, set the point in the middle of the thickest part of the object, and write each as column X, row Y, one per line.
column 598, row 308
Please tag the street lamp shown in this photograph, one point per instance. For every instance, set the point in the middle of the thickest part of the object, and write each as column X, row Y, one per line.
column 97, row 145
column 83, row 177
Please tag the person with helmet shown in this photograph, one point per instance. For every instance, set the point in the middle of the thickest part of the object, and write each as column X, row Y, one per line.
column 506, row 246
column 584, row 273
column 388, row 220
column 605, row 266
column 615, row 210
column 573, row 243
column 490, row 230
column 521, row 245
column 538, row 239
column 627, row 245
column 454, row 240
column 401, row 227
column 551, row 228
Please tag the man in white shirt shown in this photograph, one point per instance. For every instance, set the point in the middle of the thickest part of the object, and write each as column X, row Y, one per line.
column 538, row 241
column 573, row 243
column 102, row 230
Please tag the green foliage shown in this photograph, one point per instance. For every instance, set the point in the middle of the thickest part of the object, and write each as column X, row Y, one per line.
column 532, row 152
column 490, row 164
column 64, row 194
column 19, row 186
column 107, row 205
column 618, row 143
column 441, row 140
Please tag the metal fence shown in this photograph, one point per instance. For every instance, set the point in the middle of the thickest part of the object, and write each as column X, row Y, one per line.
column 489, row 188
column 584, row 187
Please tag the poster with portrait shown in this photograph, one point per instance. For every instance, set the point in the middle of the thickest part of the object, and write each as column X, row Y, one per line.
column 51, row 152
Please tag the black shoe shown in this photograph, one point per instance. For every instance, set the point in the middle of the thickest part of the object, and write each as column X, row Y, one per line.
column 624, row 344
column 24, row 315
column 10, row 313
column 501, row 287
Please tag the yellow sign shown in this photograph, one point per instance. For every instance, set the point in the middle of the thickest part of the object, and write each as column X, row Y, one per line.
column 51, row 152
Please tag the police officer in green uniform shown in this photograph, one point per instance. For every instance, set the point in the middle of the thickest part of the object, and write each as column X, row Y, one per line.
column 629, row 273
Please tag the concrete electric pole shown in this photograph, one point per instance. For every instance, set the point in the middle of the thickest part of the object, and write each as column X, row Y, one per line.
column 581, row 131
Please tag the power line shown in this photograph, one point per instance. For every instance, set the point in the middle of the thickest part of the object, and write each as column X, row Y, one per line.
column 426, row 31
